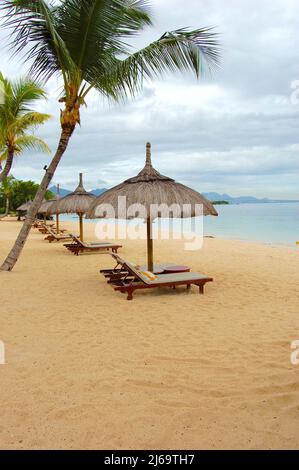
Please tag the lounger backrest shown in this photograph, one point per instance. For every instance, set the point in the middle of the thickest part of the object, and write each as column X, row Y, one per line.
column 77, row 240
column 118, row 259
column 55, row 235
column 139, row 274
column 133, row 269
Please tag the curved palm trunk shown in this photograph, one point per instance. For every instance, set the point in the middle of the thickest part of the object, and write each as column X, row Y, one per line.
column 7, row 166
column 15, row 252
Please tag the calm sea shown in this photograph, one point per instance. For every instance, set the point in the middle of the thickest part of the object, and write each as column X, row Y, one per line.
column 266, row 223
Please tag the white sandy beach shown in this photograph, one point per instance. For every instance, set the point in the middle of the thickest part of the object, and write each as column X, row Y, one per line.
column 171, row 369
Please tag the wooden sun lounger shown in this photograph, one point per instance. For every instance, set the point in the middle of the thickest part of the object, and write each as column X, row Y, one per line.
column 46, row 229
column 118, row 272
column 38, row 223
column 53, row 236
column 82, row 247
column 132, row 279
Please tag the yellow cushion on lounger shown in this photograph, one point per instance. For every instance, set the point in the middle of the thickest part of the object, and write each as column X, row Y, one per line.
column 149, row 274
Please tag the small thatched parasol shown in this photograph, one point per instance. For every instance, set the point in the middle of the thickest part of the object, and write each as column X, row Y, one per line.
column 148, row 189
column 46, row 205
column 24, row 207
column 77, row 202
column 44, row 208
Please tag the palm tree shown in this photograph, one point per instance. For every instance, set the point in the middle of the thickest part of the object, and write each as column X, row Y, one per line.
column 17, row 119
column 6, row 189
column 85, row 43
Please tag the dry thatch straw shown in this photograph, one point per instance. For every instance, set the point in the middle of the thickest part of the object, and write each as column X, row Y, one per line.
column 24, row 207
column 77, row 202
column 150, row 188
column 45, row 206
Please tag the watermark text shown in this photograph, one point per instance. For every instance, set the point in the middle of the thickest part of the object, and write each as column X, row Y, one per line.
column 2, row 353
column 295, row 353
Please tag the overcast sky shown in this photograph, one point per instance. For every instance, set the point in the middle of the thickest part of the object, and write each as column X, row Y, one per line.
column 236, row 133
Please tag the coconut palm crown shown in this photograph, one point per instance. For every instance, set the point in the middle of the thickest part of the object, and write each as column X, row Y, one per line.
column 17, row 119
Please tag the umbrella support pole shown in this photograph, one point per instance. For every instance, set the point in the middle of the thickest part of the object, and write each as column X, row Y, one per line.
column 150, row 256
column 57, row 223
column 81, row 226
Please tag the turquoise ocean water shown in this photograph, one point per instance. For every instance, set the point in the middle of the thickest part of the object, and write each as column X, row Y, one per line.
column 266, row 223
column 276, row 224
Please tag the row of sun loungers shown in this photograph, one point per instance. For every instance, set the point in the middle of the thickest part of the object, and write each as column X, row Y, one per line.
column 77, row 246
column 126, row 277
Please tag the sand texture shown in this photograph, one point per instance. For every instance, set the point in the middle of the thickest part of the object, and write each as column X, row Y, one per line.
column 171, row 369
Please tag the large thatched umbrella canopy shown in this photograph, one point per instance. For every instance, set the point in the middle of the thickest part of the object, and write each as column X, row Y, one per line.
column 77, row 202
column 150, row 195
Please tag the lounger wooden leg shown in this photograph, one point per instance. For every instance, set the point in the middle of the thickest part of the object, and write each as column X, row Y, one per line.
column 201, row 289
column 130, row 293
column 188, row 286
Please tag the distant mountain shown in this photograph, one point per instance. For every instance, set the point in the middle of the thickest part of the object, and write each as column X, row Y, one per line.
column 98, row 192
column 65, row 192
column 242, row 199
column 211, row 196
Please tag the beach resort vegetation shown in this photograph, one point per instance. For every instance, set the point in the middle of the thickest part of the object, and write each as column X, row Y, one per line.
column 14, row 193
column 220, row 203
column 18, row 120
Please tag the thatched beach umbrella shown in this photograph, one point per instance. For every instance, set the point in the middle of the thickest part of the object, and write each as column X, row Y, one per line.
column 77, row 202
column 24, row 207
column 150, row 189
column 46, row 205
column 44, row 209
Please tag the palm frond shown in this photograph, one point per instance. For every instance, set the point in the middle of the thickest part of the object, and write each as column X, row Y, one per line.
column 32, row 23
column 95, row 29
column 28, row 121
column 85, row 41
column 31, row 142
column 135, row 15
column 3, row 155
column 24, row 92
column 197, row 51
